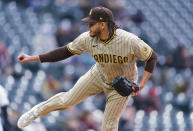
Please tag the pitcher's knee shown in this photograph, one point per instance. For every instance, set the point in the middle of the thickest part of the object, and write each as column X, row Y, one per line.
column 67, row 99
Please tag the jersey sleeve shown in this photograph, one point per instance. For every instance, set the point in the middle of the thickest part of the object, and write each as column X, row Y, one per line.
column 78, row 46
column 140, row 49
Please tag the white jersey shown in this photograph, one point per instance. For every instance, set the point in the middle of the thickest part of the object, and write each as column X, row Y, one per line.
column 115, row 57
column 1, row 125
column 3, row 97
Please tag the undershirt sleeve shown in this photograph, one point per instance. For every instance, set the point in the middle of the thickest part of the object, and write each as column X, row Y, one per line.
column 55, row 55
column 150, row 64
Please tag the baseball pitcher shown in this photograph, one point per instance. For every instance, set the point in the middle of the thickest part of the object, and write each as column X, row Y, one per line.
column 115, row 72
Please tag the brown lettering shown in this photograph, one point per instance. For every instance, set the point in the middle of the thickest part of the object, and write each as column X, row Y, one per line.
column 96, row 58
column 101, row 59
column 110, row 57
column 106, row 58
column 120, row 59
column 114, row 59
column 125, row 59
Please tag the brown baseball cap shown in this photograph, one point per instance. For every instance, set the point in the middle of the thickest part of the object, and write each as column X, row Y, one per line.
column 99, row 14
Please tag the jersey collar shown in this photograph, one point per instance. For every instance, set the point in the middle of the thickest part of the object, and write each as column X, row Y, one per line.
column 106, row 42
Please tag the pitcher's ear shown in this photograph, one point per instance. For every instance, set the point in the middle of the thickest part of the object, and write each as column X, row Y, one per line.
column 103, row 25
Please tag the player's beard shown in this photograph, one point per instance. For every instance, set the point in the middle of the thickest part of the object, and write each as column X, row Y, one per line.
column 95, row 33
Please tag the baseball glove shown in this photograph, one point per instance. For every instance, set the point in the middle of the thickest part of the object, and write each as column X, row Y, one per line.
column 125, row 87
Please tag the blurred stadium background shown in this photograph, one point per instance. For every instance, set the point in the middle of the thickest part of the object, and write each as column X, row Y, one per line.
column 37, row 26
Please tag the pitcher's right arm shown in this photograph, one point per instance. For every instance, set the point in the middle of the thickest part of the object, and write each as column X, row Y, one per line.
column 55, row 55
